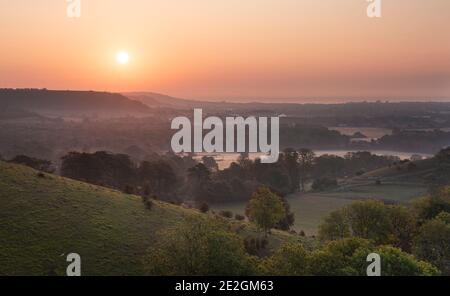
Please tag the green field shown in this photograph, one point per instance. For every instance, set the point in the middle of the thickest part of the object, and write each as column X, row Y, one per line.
column 309, row 209
column 397, row 186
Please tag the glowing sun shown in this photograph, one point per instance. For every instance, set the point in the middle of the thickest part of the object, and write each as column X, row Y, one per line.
column 122, row 57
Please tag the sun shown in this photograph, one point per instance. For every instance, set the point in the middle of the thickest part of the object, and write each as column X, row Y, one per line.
column 122, row 57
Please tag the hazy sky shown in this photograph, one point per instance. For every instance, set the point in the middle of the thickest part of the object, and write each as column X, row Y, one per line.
column 211, row 49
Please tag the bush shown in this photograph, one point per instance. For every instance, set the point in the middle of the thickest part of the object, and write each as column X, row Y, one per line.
column 254, row 246
column 347, row 257
column 429, row 207
column 213, row 251
column 383, row 224
column 148, row 203
column 226, row 214
column 239, row 217
column 128, row 189
column 204, row 207
column 433, row 243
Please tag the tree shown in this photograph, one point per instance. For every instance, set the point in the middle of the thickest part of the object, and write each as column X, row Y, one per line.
column 306, row 160
column 429, row 207
column 291, row 259
column 433, row 243
column 347, row 257
column 335, row 226
column 266, row 209
column 403, row 227
column 199, row 247
column 383, row 224
column 159, row 176
column 37, row 164
column 199, row 173
column 370, row 220
column 291, row 160
column 210, row 163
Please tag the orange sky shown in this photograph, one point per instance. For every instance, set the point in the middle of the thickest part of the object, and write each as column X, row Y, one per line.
column 217, row 49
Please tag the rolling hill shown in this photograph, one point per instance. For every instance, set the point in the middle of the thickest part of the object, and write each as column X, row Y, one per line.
column 61, row 102
column 44, row 217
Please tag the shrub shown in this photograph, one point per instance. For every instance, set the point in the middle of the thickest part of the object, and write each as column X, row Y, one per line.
column 128, row 189
column 213, row 251
column 226, row 214
column 433, row 243
column 239, row 217
column 254, row 246
column 383, row 224
column 148, row 202
column 204, row 207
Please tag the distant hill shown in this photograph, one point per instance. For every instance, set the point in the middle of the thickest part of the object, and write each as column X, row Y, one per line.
column 70, row 102
column 152, row 99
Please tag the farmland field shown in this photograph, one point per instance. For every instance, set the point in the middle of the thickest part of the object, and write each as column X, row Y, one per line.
column 311, row 208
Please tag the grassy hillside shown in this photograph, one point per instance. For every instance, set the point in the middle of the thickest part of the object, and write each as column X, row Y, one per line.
column 43, row 219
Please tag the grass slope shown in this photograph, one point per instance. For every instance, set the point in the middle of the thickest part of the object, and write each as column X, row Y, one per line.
column 43, row 218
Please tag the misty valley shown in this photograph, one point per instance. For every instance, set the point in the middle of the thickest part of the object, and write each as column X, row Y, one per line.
column 108, row 159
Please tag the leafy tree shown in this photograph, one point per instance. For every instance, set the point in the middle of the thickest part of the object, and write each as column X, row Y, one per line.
column 335, row 226
column 204, row 207
column 403, row 227
column 433, row 243
column 288, row 220
column 199, row 247
column 266, row 209
column 200, row 173
column 429, row 207
column 210, row 163
column 291, row 259
column 347, row 257
column 306, row 160
column 383, row 224
column 100, row 168
column 159, row 176
column 37, row 164
column 370, row 220
column 291, row 160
